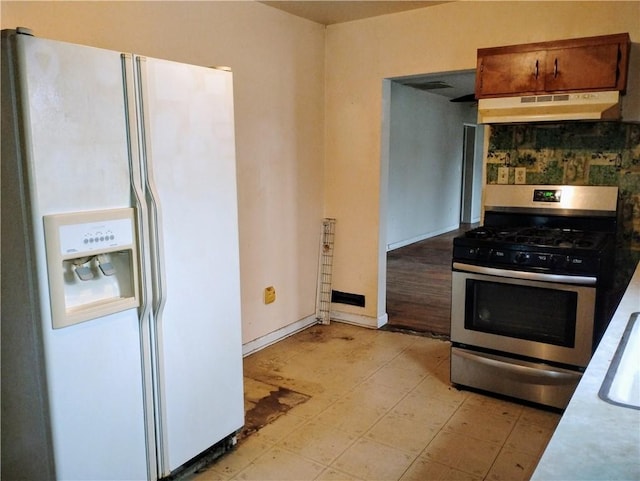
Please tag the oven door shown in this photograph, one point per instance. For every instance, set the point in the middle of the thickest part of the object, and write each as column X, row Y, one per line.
column 539, row 316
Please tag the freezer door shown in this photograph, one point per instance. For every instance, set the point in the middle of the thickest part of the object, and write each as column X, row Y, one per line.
column 190, row 160
column 72, row 156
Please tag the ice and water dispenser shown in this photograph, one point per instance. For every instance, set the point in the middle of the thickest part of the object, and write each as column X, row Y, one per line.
column 92, row 264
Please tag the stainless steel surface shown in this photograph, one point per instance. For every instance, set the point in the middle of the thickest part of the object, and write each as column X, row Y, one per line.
column 621, row 385
column 578, row 355
column 531, row 295
column 531, row 276
column 535, row 382
column 573, row 198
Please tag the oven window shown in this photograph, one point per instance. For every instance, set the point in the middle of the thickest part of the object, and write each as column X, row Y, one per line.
column 523, row 312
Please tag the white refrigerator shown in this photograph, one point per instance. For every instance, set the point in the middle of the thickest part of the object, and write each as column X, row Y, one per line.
column 121, row 323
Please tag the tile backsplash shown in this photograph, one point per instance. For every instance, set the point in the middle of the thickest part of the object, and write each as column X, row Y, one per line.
column 576, row 153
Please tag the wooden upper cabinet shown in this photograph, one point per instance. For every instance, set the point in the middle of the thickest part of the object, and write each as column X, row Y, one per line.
column 594, row 63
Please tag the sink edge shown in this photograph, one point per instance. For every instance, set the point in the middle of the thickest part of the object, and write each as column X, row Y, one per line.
column 605, row 388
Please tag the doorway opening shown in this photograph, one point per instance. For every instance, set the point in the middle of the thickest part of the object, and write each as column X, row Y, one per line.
column 430, row 192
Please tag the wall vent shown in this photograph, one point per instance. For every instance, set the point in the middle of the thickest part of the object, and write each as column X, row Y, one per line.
column 347, row 298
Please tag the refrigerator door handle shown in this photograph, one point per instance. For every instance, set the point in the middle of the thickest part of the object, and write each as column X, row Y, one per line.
column 155, row 254
column 136, row 184
column 153, row 202
column 146, row 293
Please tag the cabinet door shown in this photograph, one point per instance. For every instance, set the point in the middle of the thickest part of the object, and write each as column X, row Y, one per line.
column 510, row 74
column 582, row 68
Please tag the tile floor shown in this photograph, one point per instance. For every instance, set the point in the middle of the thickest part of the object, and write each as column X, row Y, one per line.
column 379, row 407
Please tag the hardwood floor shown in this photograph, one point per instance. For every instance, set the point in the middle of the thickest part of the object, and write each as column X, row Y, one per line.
column 419, row 285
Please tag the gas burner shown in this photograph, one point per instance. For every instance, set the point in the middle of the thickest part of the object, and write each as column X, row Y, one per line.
column 480, row 233
column 538, row 236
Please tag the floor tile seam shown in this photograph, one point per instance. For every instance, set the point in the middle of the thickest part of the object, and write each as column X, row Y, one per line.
column 363, row 438
column 449, row 429
column 212, row 467
column 537, row 454
column 487, row 414
column 367, row 378
column 410, row 453
column 366, row 430
column 269, row 444
column 416, row 369
column 423, row 453
column 433, row 461
column 307, row 458
column 498, row 456
column 446, row 359
column 341, row 471
column 502, row 443
column 548, row 432
column 472, row 405
column 305, row 422
column 328, row 425
column 485, row 474
column 387, row 412
column 342, row 396
column 348, row 446
column 439, row 399
column 520, row 451
column 522, row 422
column 232, row 475
column 282, row 448
column 316, row 417
column 404, row 389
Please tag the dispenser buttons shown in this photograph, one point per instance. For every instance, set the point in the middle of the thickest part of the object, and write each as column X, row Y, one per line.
column 91, row 236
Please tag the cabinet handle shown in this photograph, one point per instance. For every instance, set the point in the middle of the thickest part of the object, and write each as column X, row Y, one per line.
column 536, row 74
column 555, row 68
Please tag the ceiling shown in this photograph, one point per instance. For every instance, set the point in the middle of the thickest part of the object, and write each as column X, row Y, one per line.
column 330, row 11
column 453, row 85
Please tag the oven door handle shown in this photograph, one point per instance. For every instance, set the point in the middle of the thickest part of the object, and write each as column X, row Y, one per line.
column 532, row 276
column 523, row 373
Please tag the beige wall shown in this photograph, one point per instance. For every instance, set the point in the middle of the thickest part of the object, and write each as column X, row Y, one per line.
column 360, row 54
column 309, row 144
column 278, row 65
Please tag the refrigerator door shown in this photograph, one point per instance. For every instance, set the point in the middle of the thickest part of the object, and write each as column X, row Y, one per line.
column 190, row 160
column 73, row 156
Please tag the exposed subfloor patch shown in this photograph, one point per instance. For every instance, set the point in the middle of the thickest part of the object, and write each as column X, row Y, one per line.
column 264, row 403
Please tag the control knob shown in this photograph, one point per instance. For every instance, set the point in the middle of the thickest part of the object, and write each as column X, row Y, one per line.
column 559, row 262
column 521, row 258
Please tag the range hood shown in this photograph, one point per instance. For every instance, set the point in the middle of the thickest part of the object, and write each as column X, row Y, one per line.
column 550, row 107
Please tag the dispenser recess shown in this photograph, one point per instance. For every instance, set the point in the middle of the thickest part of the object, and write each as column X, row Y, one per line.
column 92, row 264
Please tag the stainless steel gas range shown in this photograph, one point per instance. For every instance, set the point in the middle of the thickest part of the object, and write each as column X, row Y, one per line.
column 529, row 290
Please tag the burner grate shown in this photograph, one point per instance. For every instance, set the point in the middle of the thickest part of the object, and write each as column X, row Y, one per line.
column 539, row 236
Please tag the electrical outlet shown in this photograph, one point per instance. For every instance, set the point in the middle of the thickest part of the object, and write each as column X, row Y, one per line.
column 503, row 175
column 521, row 175
column 269, row 294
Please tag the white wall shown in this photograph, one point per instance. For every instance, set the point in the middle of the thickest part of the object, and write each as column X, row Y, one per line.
column 278, row 65
column 441, row 38
column 425, row 164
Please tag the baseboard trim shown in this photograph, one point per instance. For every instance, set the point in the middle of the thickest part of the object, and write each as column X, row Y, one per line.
column 429, row 235
column 277, row 335
column 284, row 332
column 359, row 319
